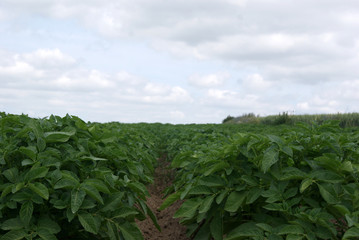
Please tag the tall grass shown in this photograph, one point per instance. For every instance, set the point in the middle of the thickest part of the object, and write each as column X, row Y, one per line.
column 345, row 119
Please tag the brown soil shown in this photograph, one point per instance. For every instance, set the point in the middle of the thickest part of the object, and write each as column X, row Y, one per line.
column 171, row 229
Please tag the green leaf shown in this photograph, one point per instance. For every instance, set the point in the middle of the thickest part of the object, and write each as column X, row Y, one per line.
column 77, row 197
column 221, row 196
column 46, row 234
column 89, row 223
column 70, row 216
column 92, row 192
column 265, row 227
column 112, row 231
column 275, row 139
column 291, row 229
column 92, row 158
column 113, row 202
column 305, row 184
column 206, row 204
column 35, row 173
column 212, row 181
column 324, row 232
column 234, row 201
column 58, row 137
column 216, row 227
column 139, row 188
column 347, row 166
column 294, row 237
column 270, row 157
column 351, row 220
column 153, row 218
column 291, row 192
column 98, row 184
column 18, row 187
column 253, row 195
column 169, row 200
column 66, row 183
column 188, row 208
column 11, row 174
column 48, row 224
column 186, row 191
column 352, row 233
column 250, row 180
column 201, row 189
column 328, row 194
column 30, row 151
column 130, row 231
column 326, row 176
column 40, row 189
column 179, row 159
column 274, row 237
column 124, row 212
column 41, row 144
column 26, row 211
column 287, row 150
column 22, row 196
column 88, row 203
column 27, row 162
column 204, row 232
column 70, row 175
column 291, row 173
column 342, row 209
column 274, row 207
column 12, row 224
column 14, row 235
column 245, row 230
column 36, row 128
column 217, row 167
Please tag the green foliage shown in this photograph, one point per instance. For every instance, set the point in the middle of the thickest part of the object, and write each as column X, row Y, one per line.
column 227, row 119
column 61, row 178
column 344, row 119
column 277, row 183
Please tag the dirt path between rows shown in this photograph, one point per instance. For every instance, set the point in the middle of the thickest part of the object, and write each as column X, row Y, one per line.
column 171, row 229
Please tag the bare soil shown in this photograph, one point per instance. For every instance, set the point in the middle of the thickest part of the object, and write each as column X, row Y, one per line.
column 171, row 229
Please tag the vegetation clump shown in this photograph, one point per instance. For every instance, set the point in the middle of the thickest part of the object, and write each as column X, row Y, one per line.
column 345, row 119
column 62, row 178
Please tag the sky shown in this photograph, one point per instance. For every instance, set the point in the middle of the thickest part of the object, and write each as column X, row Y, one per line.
column 178, row 61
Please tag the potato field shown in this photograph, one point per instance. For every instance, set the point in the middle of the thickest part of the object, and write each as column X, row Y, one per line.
column 63, row 178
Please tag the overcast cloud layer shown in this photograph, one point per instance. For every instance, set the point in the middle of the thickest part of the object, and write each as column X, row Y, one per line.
column 178, row 61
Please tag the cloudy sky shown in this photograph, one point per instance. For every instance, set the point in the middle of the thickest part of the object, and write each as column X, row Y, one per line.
column 178, row 61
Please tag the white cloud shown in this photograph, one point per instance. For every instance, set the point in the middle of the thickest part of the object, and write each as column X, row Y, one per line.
column 232, row 99
column 80, row 80
column 125, row 78
column 44, row 58
column 318, row 105
column 255, row 82
column 19, row 70
column 306, row 62
column 240, row 3
column 221, row 94
column 175, row 95
column 156, row 89
column 78, row 91
column 208, row 81
column 177, row 115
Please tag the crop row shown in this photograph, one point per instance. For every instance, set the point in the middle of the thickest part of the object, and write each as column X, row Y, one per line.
column 62, row 178
column 290, row 183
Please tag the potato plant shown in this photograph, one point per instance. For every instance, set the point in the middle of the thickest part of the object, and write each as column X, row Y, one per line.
column 62, row 178
column 298, row 183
